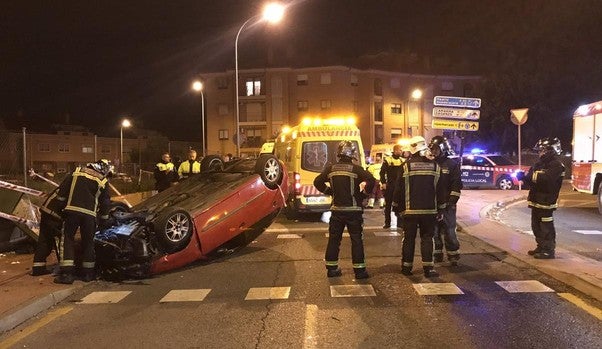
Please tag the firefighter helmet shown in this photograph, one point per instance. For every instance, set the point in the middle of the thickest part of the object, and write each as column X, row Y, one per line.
column 417, row 144
column 443, row 145
column 102, row 166
column 548, row 147
column 347, row 149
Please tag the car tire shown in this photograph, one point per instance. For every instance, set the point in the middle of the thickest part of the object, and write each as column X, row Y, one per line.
column 174, row 229
column 505, row 183
column 269, row 168
column 212, row 163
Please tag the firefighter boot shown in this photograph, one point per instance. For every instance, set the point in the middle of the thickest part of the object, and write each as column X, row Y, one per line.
column 88, row 274
column 430, row 272
column 438, row 257
column 406, row 271
column 544, row 255
column 533, row 252
column 381, row 203
column 333, row 273
column 361, row 273
column 39, row 271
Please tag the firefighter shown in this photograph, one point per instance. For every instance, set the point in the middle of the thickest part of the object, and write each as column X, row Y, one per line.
column 189, row 167
column 86, row 190
column 376, row 196
column 51, row 227
column 544, row 179
column 388, row 175
column 165, row 173
column 344, row 180
column 451, row 180
column 418, row 196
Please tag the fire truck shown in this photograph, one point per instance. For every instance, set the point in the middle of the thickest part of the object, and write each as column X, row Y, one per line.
column 306, row 149
column 587, row 150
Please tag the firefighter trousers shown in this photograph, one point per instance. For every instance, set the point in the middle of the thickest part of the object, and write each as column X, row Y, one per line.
column 50, row 230
column 445, row 231
column 411, row 224
column 354, row 222
column 87, row 227
column 542, row 223
column 388, row 202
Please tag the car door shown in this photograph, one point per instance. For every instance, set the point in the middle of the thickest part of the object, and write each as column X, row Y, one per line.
column 477, row 171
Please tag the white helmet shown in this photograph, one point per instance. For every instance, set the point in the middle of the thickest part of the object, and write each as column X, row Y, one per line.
column 418, row 144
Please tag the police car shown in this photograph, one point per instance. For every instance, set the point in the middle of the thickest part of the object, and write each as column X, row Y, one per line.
column 489, row 171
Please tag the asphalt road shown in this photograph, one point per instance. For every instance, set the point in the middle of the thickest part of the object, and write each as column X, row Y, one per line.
column 385, row 311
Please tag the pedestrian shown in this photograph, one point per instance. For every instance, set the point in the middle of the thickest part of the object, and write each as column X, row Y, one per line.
column 344, row 180
column 87, row 194
column 376, row 196
column 389, row 172
column 417, row 197
column 189, row 167
column 544, row 179
column 451, row 180
column 165, row 173
column 51, row 228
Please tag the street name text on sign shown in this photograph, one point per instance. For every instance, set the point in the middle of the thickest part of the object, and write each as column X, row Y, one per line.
column 457, row 102
column 455, row 125
column 456, row 113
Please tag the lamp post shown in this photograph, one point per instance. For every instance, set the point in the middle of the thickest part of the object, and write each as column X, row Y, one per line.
column 272, row 13
column 124, row 123
column 198, row 87
column 417, row 95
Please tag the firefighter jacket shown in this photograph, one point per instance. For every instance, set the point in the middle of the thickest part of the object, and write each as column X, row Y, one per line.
column 54, row 204
column 451, row 179
column 164, row 175
column 419, row 190
column 188, row 168
column 374, row 170
column 545, row 180
column 86, row 192
column 345, row 178
column 390, row 169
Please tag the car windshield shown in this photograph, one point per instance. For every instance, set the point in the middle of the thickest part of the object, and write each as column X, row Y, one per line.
column 501, row 160
column 315, row 155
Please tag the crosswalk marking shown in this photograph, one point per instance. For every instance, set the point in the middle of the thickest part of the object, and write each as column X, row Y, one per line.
column 386, row 233
column 259, row 293
column 197, row 295
column 588, row 232
column 437, row 289
column 352, row 291
column 289, row 236
column 524, row 286
column 105, row 297
column 345, row 235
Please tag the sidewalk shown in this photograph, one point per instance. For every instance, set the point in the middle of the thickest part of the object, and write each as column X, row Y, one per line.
column 24, row 296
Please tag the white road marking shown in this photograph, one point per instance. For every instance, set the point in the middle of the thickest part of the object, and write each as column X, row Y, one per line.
column 386, row 233
column 437, row 289
column 194, row 295
column 352, row 291
column 588, row 232
column 105, row 297
column 345, row 235
column 311, row 319
column 524, row 286
column 259, row 293
column 289, row 236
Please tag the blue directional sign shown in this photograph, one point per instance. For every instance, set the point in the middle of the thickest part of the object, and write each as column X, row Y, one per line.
column 459, row 102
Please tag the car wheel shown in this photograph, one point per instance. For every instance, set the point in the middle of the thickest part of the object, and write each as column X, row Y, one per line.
column 212, row 163
column 174, row 229
column 270, row 170
column 505, row 183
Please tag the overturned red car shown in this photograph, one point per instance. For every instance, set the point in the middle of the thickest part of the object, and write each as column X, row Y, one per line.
column 221, row 209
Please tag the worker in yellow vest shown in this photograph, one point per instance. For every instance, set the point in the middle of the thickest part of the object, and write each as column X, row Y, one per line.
column 377, row 193
column 189, row 167
column 165, row 173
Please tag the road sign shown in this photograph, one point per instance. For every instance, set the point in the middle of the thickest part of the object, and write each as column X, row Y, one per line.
column 458, row 102
column 455, row 125
column 455, row 113
column 519, row 116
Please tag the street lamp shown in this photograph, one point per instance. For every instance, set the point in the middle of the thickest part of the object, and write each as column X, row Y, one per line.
column 198, row 87
column 124, row 123
column 417, row 95
column 272, row 13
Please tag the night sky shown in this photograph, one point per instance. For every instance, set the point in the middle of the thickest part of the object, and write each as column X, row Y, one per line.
column 97, row 61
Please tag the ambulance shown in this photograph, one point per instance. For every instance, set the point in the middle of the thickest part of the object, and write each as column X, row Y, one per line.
column 386, row 149
column 305, row 149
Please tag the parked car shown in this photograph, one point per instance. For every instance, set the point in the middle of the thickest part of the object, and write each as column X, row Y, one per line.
column 222, row 208
column 489, row 171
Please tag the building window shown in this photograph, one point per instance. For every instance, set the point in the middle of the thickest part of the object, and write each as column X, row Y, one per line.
column 353, row 80
column 325, row 79
column 254, row 138
column 395, row 83
column 64, row 148
column 222, row 83
column 447, row 86
column 44, row 147
column 105, row 149
column 302, row 105
column 302, row 80
column 222, row 109
column 253, row 87
column 395, row 108
column 379, row 134
column 378, row 87
column 395, row 133
column 325, row 104
column 86, row 149
column 378, row 111
column 223, row 135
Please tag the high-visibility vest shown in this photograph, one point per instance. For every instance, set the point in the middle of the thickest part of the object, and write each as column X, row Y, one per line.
column 185, row 170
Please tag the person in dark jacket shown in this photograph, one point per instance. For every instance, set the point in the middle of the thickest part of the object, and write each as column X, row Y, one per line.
column 51, row 228
column 344, row 179
column 419, row 197
column 165, row 173
column 87, row 194
column 389, row 172
column 451, row 180
column 544, row 179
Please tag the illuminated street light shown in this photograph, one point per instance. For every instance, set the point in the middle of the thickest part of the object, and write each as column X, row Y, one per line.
column 417, row 95
column 124, row 123
column 272, row 13
column 198, row 87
